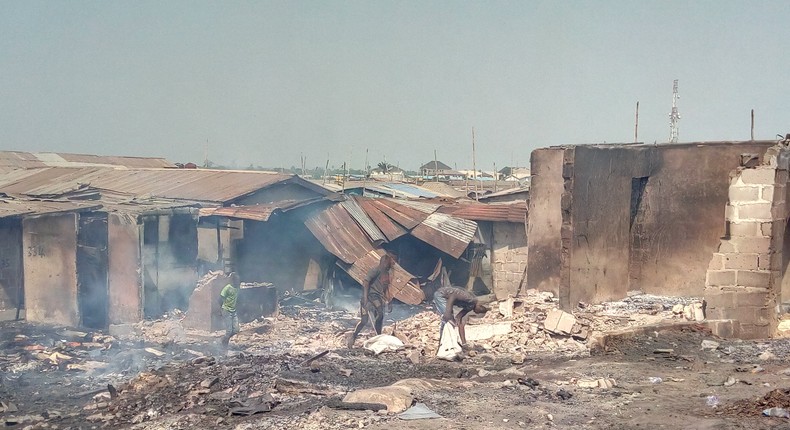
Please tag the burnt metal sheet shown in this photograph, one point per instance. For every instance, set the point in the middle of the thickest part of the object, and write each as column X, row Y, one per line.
column 339, row 234
column 29, row 160
column 509, row 212
column 446, row 233
column 390, row 228
column 403, row 285
column 405, row 216
column 365, row 222
column 16, row 208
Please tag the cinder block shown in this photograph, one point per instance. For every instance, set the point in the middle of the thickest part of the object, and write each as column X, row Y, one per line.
column 756, row 298
column 764, row 175
column 764, row 262
column 759, row 245
column 765, row 228
column 720, row 299
column 726, row 246
column 716, row 262
column 767, row 193
column 724, row 328
column 746, row 228
column 744, row 193
column 754, row 279
column 740, row 261
column 754, row 331
column 754, row 211
column 720, row 278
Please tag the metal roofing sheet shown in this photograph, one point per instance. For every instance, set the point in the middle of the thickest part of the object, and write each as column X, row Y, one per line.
column 409, row 189
column 368, row 226
column 506, row 212
column 405, row 216
column 339, row 234
column 390, row 228
column 424, row 207
column 183, row 184
column 403, row 285
column 446, row 233
column 12, row 207
column 28, row 160
column 259, row 212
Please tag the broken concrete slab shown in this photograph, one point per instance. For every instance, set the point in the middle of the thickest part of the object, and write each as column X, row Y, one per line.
column 396, row 398
column 487, row 331
column 559, row 322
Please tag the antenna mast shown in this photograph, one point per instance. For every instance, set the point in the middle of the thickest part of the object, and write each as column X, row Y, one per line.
column 674, row 117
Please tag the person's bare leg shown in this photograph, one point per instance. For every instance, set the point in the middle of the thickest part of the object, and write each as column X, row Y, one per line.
column 363, row 321
column 378, row 323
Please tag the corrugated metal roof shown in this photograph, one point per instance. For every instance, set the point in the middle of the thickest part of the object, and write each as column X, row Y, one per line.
column 506, row 212
column 28, row 160
column 402, row 284
column 14, row 208
column 368, row 226
column 404, row 215
column 424, row 207
column 443, row 189
column 390, row 228
column 260, row 212
column 409, row 189
column 183, row 184
column 446, row 233
column 509, row 191
column 339, row 234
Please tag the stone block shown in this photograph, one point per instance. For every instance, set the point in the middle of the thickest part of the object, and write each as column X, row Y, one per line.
column 761, row 245
column 487, row 331
column 746, row 228
column 744, row 193
column 750, row 297
column 559, row 322
column 762, row 176
column 740, row 261
column 753, row 279
column 754, row 331
column 397, row 399
column 720, row 277
column 726, row 246
column 765, row 228
column 754, row 211
column 767, row 193
column 725, row 328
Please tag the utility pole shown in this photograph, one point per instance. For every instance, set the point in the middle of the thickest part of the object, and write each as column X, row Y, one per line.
column 636, row 124
column 496, row 177
column 752, row 129
column 326, row 168
column 367, row 173
column 474, row 165
column 435, row 167
column 674, row 116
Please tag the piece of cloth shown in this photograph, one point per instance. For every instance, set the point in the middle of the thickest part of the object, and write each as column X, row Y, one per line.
column 230, row 295
column 449, row 343
column 464, row 299
column 231, row 323
column 383, row 343
column 418, row 412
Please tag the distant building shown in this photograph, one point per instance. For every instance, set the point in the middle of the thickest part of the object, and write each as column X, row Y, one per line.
column 433, row 168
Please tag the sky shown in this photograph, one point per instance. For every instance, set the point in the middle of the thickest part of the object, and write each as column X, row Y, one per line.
column 264, row 82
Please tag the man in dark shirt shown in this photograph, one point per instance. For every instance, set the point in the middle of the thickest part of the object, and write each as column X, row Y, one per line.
column 446, row 297
column 374, row 297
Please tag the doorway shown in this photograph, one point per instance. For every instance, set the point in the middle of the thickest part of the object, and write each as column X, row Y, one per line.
column 92, row 271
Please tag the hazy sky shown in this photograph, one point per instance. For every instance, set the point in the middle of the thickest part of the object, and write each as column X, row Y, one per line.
column 263, row 81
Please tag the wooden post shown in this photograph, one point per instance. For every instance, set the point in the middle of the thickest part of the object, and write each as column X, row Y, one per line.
column 367, row 173
column 636, row 124
column 435, row 167
column 496, row 177
column 474, row 165
column 752, row 129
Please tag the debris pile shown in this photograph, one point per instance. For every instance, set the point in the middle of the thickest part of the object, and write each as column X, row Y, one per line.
column 778, row 398
column 63, row 350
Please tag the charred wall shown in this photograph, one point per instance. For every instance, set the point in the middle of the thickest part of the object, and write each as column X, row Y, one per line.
column 50, row 261
column 125, row 289
column 633, row 217
column 545, row 219
column 11, row 279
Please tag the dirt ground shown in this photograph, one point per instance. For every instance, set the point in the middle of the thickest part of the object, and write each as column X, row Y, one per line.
column 195, row 384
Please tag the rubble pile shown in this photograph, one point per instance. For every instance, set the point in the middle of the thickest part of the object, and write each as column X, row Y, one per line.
column 63, row 350
column 778, row 398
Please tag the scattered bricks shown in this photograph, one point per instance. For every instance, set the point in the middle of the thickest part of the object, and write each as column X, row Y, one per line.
column 766, row 228
column 767, row 193
column 764, row 176
column 559, row 322
column 749, row 278
column 754, row 211
column 740, row 261
column 760, row 245
column 717, row 262
column 744, row 193
column 720, row 277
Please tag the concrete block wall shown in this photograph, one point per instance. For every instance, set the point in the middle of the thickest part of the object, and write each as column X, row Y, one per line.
column 509, row 258
column 743, row 277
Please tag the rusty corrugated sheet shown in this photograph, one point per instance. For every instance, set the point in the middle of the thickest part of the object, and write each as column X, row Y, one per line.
column 446, row 233
column 508, row 212
column 12, row 208
column 405, row 216
column 402, row 284
column 390, row 228
column 368, row 226
column 339, row 234
column 29, row 160
column 260, row 212
column 183, row 184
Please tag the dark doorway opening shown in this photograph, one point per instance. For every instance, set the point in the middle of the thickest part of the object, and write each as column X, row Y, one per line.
column 638, row 247
column 92, row 271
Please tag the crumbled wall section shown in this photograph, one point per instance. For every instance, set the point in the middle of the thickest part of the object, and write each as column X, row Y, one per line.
column 743, row 278
column 509, row 258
